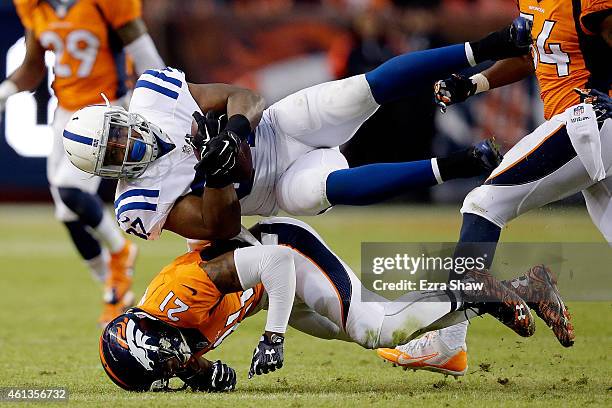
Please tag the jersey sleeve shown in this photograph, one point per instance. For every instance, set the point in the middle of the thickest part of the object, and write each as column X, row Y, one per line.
column 591, row 7
column 24, row 11
column 139, row 212
column 121, row 12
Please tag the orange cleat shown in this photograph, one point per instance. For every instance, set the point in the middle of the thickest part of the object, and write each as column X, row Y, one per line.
column 118, row 295
column 428, row 353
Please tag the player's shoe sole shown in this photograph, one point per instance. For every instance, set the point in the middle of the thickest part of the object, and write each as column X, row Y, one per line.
column 539, row 288
column 500, row 302
column 456, row 365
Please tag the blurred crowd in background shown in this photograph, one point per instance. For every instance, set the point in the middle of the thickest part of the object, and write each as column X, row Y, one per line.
column 280, row 46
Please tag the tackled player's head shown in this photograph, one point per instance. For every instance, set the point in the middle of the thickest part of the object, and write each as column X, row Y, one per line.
column 110, row 142
column 141, row 353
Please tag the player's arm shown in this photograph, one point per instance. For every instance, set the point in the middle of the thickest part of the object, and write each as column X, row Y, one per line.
column 599, row 22
column 29, row 74
column 458, row 88
column 272, row 266
column 209, row 376
column 214, row 215
column 243, row 106
column 138, row 43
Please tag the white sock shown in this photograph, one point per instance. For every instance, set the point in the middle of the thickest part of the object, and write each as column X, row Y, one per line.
column 109, row 232
column 454, row 336
column 98, row 266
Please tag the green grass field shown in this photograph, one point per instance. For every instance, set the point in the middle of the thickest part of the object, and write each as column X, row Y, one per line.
column 49, row 305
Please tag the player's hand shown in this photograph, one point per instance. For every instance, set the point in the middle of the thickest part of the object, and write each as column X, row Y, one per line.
column 218, row 378
column 268, row 355
column 452, row 90
column 219, row 159
column 602, row 103
column 209, row 126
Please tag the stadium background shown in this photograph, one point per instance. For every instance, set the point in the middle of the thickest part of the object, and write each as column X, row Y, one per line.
column 279, row 46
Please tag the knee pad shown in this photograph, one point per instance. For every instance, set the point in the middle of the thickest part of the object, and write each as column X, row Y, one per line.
column 305, row 194
column 86, row 206
column 489, row 204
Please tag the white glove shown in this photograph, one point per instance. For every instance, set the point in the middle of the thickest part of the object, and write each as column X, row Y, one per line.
column 7, row 88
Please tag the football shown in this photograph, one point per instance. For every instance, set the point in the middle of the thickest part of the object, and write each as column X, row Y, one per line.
column 244, row 163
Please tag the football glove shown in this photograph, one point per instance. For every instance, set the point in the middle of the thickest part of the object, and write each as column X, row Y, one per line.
column 268, row 355
column 452, row 90
column 602, row 103
column 218, row 378
column 209, row 126
column 218, row 159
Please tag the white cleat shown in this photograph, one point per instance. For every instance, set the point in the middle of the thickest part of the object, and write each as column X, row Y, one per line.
column 428, row 353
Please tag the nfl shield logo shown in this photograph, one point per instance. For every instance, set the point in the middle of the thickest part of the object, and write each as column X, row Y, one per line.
column 578, row 110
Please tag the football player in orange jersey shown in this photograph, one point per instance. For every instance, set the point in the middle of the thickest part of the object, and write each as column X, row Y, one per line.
column 569, row 153
column 89, row 38
column 194, row 303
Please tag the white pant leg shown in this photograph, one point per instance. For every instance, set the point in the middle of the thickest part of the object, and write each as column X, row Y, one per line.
column 301, row 190
column 328, row 287
column 598, row 199
column 62, row 173
column 325, row 115
column 511, row 190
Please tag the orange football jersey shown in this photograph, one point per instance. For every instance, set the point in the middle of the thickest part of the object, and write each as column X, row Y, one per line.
column 566, row 54
column 86, row 61
column 183, row 296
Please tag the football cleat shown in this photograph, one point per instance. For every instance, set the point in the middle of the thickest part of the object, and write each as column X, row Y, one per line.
column 118, row 296
column 499, row 301
column 428, row 353
column 538, row 287
column 487, row 152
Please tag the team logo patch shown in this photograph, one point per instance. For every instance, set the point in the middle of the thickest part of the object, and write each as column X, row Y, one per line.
column 579, row 110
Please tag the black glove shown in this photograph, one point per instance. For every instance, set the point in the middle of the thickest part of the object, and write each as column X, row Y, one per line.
column 602, row 103
column 452, row 90
column 218, row 378
column 218, row 159
column 268, row 355
column 511, row 41
column 209, row 126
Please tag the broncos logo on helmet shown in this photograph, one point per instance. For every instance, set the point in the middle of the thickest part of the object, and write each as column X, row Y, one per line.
column 140, row 353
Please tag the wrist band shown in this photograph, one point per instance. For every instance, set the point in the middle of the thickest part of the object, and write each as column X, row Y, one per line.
column 240, row 125
column 481, row 82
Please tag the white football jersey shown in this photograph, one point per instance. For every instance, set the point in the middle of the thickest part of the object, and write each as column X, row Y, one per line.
column 142, row 204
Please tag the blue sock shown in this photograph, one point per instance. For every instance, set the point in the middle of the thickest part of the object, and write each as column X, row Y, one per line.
column 85, row 243
column 374, row 183
column 87, row 206
column 410, row 73
column 478, row 238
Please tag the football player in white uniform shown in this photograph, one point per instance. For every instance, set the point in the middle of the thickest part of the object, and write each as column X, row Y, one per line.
column 296, row 163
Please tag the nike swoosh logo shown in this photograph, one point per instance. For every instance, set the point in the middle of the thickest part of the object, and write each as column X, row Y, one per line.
column 403, row 361
column 224, row 147
column 193, row 291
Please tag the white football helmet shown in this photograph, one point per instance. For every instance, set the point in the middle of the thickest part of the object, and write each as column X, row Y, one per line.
column 110, row 142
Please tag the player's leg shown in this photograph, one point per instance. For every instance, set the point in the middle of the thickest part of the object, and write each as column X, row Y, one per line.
column 76, row 201
column 329, row 114
column 321, row 178
column 327, row 286
column 543, row 167
column 599, row 203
